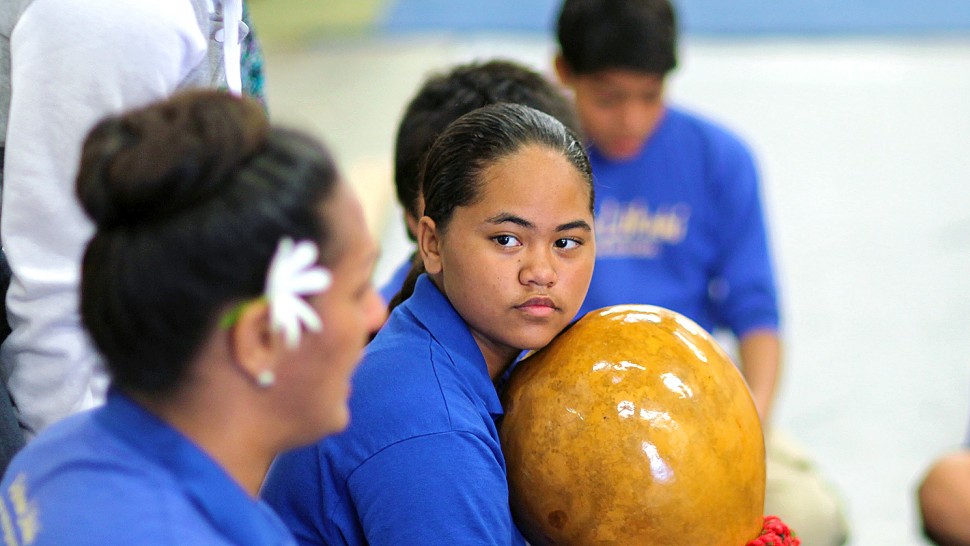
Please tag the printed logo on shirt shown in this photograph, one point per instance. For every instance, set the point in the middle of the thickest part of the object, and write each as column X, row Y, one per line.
column 631, row 229
column 24, row 512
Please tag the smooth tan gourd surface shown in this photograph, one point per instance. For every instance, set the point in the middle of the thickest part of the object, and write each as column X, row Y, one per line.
column 633, row 427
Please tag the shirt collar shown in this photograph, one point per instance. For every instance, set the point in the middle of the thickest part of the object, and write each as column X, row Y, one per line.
column 228, row 507
column 433, row 310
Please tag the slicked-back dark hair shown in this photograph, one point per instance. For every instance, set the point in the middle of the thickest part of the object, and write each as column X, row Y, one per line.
column 453, row 170
column 637, row 35
column 445, row 97
column 190, row 197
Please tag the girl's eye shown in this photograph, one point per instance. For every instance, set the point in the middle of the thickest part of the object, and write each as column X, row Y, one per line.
column 567, row 244
column 506, row 240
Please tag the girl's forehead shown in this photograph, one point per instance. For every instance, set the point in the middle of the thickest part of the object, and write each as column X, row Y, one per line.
column 530, row 168
column 550, row 184
column 531, row 207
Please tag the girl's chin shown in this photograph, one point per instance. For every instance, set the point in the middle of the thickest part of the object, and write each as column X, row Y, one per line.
column 537, row 342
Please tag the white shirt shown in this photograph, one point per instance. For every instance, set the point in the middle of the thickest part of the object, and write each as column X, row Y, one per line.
column 72, row 63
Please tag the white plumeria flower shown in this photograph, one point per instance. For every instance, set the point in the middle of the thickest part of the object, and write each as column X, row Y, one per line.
column 294, row 272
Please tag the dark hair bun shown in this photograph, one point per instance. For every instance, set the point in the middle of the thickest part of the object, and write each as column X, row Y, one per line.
column 191, row 197
column 152, row 163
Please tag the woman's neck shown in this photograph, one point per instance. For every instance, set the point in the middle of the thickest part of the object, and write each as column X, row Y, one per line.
column 224, row 431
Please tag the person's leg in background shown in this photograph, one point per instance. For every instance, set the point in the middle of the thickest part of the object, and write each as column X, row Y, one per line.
column 797, row 492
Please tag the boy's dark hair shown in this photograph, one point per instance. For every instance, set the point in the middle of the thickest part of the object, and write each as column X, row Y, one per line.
column 452, row 175
column 637, row 35
column 190, row 198
column 446, row 97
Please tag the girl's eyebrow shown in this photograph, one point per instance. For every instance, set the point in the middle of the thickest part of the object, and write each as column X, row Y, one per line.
column 503, row 217
column 575, row 224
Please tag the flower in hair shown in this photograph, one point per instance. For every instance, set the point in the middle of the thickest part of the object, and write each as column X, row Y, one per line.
column 293, row 273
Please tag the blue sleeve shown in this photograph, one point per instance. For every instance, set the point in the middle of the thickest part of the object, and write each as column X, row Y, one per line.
column 743, row 287
column 93, row 505
column 445, row 488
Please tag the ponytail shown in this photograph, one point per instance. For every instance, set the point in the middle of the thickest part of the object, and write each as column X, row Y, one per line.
column 407, row 288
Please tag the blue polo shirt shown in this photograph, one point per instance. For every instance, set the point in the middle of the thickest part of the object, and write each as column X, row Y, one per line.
column 394, row 284
column 421, row 461
column 119, row 475
column 680, row 225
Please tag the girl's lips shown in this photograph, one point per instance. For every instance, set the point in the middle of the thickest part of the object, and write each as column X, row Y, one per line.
column 538, row 307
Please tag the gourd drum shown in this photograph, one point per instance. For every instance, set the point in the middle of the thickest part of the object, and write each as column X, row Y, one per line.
column 633, row 427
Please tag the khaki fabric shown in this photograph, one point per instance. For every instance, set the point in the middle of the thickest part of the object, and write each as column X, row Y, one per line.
column 797, row 493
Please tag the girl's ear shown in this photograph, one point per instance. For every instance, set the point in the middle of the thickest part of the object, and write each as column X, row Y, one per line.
column 254, row 347
column 429, row 242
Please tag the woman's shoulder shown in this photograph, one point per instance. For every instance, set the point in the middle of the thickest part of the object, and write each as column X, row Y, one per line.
column 77, row 484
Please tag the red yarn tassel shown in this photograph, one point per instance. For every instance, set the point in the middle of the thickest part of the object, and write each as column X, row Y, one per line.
column 774, row 532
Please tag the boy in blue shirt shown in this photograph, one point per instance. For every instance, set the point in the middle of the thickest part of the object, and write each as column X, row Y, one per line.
column 679, row 219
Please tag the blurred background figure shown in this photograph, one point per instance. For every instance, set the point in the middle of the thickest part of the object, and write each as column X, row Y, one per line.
column 680, row 222
column 943, row 497
column 59, row 74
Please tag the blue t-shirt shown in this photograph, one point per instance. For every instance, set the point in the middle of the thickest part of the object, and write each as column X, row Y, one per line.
column 119, row 475
column 421, row 461
column 394, row 284
column 681, row 226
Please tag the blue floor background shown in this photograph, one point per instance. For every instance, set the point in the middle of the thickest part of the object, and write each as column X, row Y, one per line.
column 699, row 17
